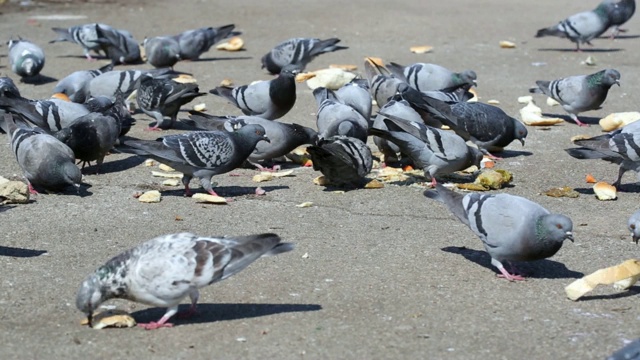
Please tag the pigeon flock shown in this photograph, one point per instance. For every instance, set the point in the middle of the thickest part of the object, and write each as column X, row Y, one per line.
column 417, row 115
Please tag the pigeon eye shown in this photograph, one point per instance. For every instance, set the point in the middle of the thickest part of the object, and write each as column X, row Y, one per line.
column 632, row 226
column 559, row 226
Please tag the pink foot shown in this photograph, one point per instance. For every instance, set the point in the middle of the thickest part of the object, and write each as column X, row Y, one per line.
column 493, row 157
column 580, row 123
column 32, row 191
column 154, row 325
column 433, row 182
column 153, row 128
column 510, row 277
column 214, row 194
column 274, row 168
column 260, row 191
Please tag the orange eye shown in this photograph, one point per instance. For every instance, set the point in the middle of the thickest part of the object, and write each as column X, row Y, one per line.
column 559, row 226
column 633, row 226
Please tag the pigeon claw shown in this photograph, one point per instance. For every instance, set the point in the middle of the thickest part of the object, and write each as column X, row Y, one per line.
column 154, row 325
column 511, row 277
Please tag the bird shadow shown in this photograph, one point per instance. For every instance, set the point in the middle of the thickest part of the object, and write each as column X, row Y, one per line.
column 621, row 37
column 627, row 188
column 38, row 80
column 115, row 166
column 540, row 269
column 227, row 191
column 585, row 119
column 20, row 252
column 4, row 208
column 582, row 50
column 224, row 58
column 632, row 291
column 208, row 313
column 506, row 154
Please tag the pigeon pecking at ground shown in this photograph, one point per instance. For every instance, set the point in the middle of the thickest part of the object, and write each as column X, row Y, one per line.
column 76, row 84
column 270, row 99
column 26, row 58
column 356, row 94
column 382, row 84
column 619, row 12
column 296, row 53
column 580, row 28
column 579, row 93
column 46, row 162
column 165, row 270
column 337, row 118
column 162, row 51
column 620, row 147
column 428, row 77
column 343, row 160
column 193, row 43
column 401, row 109
column 435, row 151
column 511, row 228
column 85, row 35
column 160, row 97
column 118, row 45
column 202, row 154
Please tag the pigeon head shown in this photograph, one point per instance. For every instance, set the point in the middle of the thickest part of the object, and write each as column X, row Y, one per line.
column 309, row 135
column 467, row 77
column 521, row 131
column 291, row 69
column 475, row 156
column 611, row 77
column 554, row 228
column 90, row 295
column 634, row 227
column 70, row 173
column 253, row 133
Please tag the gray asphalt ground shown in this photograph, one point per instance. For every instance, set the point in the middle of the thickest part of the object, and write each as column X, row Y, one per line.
column 389, row 275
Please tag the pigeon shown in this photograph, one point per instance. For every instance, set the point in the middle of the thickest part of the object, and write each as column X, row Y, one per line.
column 76, row 85
column 118, row 45
column 26, row 58
column 162, row 51
column 49, row 115
column 580, row 28
column 356, row 94
column 427, row 77
column 634, row 226
column 511, row 227
column 336, row 118
column 631, row 351
column 435, row 151
column 85, row 35
column 164, row 270
column 434, row 112
column 284, row 137
column 579, row 93
column 297, row 53
column 268, row 99
column 46, row 162
column 619, row 147
column 487, row 126
column 343, row 160
column 193, row 43
column 164, row 97
column 382, row 84
column 8, row 88
column 401, row 109
column 200, row 153
column 619, row 12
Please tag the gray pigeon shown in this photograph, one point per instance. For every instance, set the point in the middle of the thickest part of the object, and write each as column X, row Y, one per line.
column 200, row 153
column 343, row 160
column 270, row 99
column 356, row 94
column 8, row 88
column 118, row 45
column 619, row 12
column 580, row 28
column 401, row 109
column 85, row 35
column 194, row 43
column 162, row 51
column 26, row 58
column 297, row 53
column 336, row 118
column 631, row 351
column 76, row 85
column 487, row 126
column 579, row 93
column 619, row 147
column 164, row 97
column 163, row 271
column 511, row 228
column 49, row 115
column 634, row 226
column 435, row 151
column 112, row 83
column 427, row 77
column 382, row 84
column 284, row 137
column 45, row 161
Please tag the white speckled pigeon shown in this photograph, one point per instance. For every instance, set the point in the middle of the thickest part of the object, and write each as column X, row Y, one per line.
column 427, row 77
column 619, row 12
column 76, row 85
column 336, row 118
column 26, row 58
column 162, row 51
column 46, row 162
column 435, row 151
column 580, row 28
column 511, row 228
column 200, row 153
column 343, row 160
column 165, row 270
column 579, row 93
column 619, row 147
column 297, row 53
column 194, row 43
column 270, row 99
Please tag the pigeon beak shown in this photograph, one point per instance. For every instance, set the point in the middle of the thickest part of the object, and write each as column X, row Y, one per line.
column 265, row 138
column 569, row 236
column 475, row 83
column 618, row 82
column 90, row 319
column 635, row 238
column 521, row 141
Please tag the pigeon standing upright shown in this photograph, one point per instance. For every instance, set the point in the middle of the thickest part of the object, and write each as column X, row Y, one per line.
column 200, row 153
column 26, row 58
column 428, row 77
column 619, row 12
column 166, row 269
column 194, row 43
column 511, row 228
column 268, row 99
column 620, row 147
column 343, row 160
column 579, row 93
column 76, row 85
column 45, row 161
column 581, row 27
column 297, row 53
column 162, row 51
column 164, row 97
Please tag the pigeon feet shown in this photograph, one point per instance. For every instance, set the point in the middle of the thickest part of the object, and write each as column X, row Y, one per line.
column 32, row 191
column 510, row 277
column 154, row 325
column 153, row 128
